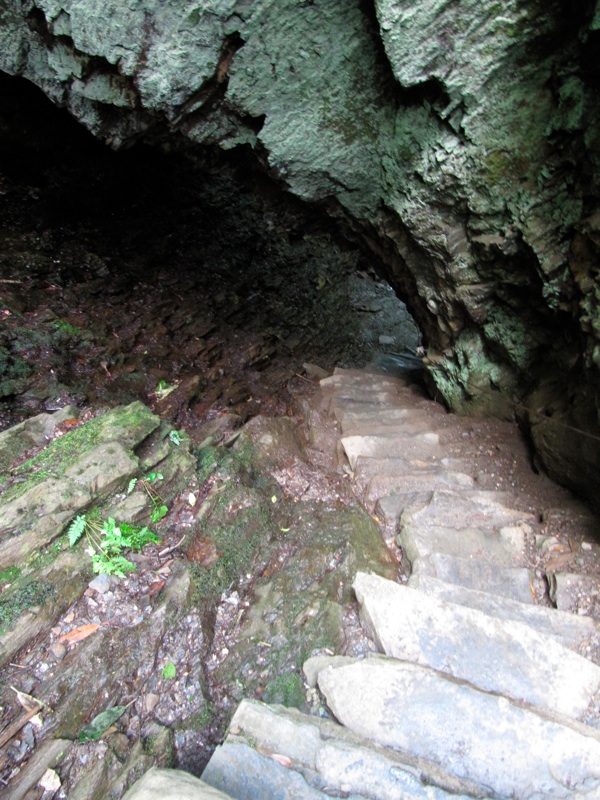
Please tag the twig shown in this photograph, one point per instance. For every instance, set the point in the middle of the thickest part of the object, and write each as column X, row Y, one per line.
column 8, row 280
column 12, row 729
column 168, row 550
column 302, row 378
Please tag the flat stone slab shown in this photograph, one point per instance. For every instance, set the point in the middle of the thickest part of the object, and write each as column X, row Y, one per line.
column 393, row 445
column 579, row 633
column 301, row 754
column 363, row 383
column 493, row 546
column 383, row 484
column 508, row 750
column 507, row 658
column 375, row 427
column 389, row 509
column 33, row 432
column 384, row 416
column 364, row 401
column 40, row 514
column 476, row 509
column 516, row 583
column 243, row 773
column 159, row 784
column 366, row 468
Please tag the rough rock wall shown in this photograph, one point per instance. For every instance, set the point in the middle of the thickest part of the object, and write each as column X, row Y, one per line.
column 460, row 139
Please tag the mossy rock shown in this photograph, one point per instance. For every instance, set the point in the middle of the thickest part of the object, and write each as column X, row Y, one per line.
column 33, row 432
column 36, row 597
column 84, row 466
column 299, row 610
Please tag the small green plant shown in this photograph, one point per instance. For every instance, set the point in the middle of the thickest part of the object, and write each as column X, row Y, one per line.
column 169, row 671
column 107, row 542
column 67, row 328
column 163, row 389
column 175, row 437
column 159, row 509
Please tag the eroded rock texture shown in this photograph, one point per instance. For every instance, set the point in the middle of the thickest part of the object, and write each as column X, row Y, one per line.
column 461, row 140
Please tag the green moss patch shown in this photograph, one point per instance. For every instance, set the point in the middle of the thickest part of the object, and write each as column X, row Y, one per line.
column 128, row 425
column 287, row 690
column 236, row 532
column 23, row 596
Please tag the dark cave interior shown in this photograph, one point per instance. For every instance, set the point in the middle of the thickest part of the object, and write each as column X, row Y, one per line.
column 122, row 270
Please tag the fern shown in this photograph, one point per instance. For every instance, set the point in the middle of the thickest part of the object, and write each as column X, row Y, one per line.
column 76, row 529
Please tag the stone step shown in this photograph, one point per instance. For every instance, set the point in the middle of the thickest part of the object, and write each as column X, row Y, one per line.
column 369, row 380
column 336, row 405
column 393, row 445
column 509, row 750
column 516, row 583
column 503, row 547
column 159, row 783
column 301, row 755
column 375, row 427
column 340, row 407
column 389, row 509
column 390, row 416
column 384, row 485
column 365, row 469
column 473, row 509
column 505, row 658
column 579, row 633
column 351, row 374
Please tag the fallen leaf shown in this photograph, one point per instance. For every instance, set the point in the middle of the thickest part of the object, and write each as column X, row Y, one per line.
column 155, row 588
column 28, row 702
column 558, row 563
column 101, row 723
column 78, row 634
column 283, row 760
column 203, row 552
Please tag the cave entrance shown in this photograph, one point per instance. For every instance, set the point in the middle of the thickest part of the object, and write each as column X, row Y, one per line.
column 181, row 279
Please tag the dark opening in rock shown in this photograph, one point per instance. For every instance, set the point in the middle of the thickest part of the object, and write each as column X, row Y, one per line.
column 182, row 278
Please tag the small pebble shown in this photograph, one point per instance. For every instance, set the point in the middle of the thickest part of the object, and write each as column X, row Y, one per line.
column 100, row 584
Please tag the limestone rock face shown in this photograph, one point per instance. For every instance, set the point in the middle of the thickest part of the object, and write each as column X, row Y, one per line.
column 460, row 140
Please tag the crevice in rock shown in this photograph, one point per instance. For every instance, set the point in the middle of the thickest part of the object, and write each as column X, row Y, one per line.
column 203, row 102
column 431, row 92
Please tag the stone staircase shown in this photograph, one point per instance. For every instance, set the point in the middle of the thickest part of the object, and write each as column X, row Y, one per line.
column 482, row 686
